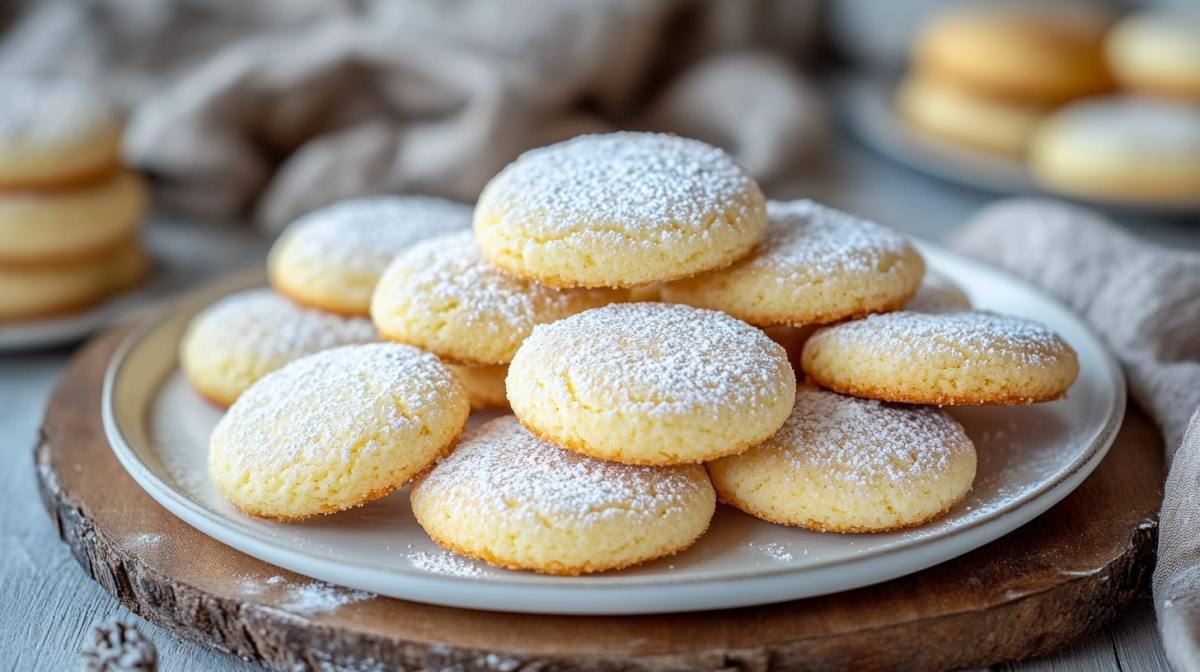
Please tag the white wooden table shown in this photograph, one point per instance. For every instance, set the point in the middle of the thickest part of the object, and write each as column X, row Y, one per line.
column 48, row 606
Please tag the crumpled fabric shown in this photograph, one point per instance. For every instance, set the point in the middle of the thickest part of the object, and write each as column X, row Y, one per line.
column 272, row 108
column 1144, row 300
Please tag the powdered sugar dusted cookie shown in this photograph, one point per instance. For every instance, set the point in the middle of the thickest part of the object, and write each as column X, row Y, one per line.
column 335, row 430
column 506, row 497
column 443, row 296
column 619, row 210
column 814, row 265
column 55, row 133
column 841, row 464
column 651, row 383
column 968, row 357
column 245, row 336
column 332, row 258
column 484, row 384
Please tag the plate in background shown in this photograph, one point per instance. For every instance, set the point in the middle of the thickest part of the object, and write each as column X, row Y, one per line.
column 1029, row 459
column 866, row 104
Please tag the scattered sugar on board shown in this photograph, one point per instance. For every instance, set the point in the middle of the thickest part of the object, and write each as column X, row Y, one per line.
column 970, row 333
column 367, row 233
column 316, row 597
column 658, row 359
column 623, row 182
column 501, row 469
column 808, row 242
column 864, row 441
column 323, row 402
column 447, row 563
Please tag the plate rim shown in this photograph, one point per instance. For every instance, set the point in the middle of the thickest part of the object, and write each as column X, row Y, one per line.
column 244, row 538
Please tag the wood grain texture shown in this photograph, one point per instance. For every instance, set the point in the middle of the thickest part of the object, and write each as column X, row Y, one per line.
column 1068, row 573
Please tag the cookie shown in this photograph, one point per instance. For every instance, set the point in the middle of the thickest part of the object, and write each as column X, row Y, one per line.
column 48, row 227
column 619, row 210
column 1158, row 51
column 950, row 112
column 1123, row 147
column 335, row 430
column 814, row 265
column 969, row 358
column 842, row 464
column 30, row 292
column 245, row 336
column 55, row 133
column 508, row 498
column 443, row 296
column 332, row 258
column 1043, row 54
column 651, row 383
column 484, row 384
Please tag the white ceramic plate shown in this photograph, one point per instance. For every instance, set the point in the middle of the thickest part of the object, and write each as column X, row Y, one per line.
column 1029, row 458
column 866, row 103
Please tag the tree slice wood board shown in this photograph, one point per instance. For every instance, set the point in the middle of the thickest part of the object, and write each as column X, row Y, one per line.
column 1069, row 572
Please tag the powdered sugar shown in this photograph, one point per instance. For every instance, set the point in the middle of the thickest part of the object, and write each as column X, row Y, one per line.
column 446, row 563
column 1114, row 126
column 363, row 235
column 608, row 186
column 656, row 358
column 501, row 469
column 275, row 329
column 808, row 242
column 865, row 442
column 973, row 333
column 51, row 114
column 323, row 408
column 448, row 276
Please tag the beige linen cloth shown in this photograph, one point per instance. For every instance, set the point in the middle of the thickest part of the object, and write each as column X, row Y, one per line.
column 274, row 107
column 1145, row 301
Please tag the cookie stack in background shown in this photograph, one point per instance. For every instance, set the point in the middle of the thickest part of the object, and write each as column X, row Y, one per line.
column 630, row 418
column 69, row 209
column 1098, row 106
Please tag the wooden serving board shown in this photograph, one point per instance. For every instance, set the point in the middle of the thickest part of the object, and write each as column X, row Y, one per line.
column 1066, row 574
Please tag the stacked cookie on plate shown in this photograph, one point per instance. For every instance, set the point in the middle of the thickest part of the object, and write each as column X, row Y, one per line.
column 69, row 210
column 631, row 417
column 1099, row 108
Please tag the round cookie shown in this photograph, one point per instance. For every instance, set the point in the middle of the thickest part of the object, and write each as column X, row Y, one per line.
column 1121, row 147
column 443, row 296
column 955, row 113
column 619, row 210
column 814, row 265
column 245, row 336
column 34, row 292
column 66, row 225
column 1043, row 54
column 961, row 358
column 842, row 464
column 55, row 133
column 1158, row 51
column 651, row 383
column 484, row 384
column 332, row 258
column 335, row 430
column 508, row 498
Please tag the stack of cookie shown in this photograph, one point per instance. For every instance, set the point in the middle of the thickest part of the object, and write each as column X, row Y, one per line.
column 631, row 417
column 69, row 211
column 1041, row 82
